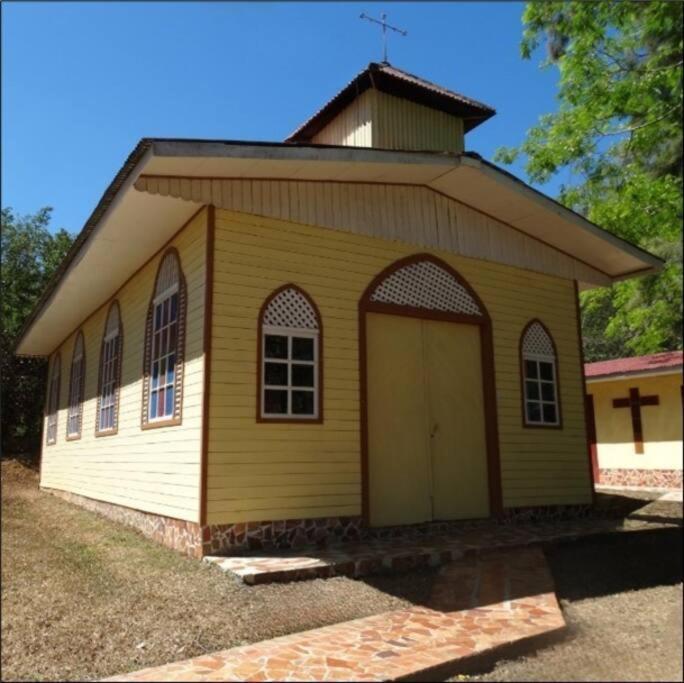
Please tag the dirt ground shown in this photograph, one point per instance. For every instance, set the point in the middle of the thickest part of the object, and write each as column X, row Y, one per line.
column 84, row 598
column 622, row 600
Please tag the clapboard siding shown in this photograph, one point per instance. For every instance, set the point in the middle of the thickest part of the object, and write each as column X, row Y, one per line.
column 155, row 470
column 352, row 126
column 377, row 119
column 412, row 214
column 279, row 471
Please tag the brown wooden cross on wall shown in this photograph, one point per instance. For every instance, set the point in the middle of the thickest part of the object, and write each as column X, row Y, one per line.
column 634, row 402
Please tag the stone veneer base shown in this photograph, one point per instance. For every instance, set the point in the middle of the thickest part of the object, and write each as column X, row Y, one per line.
column 667, row 479
column 197, row 541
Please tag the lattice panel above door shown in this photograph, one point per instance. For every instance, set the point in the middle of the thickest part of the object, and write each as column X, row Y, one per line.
column 425, row 284
column 290, row 308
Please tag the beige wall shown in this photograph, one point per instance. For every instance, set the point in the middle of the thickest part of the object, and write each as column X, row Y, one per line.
column 661, row 424
column 276, row 471
column 376, row 119
column 154, row 470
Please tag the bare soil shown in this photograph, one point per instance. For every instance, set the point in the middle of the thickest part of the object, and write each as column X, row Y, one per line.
column 622, row 600
column 84, row 598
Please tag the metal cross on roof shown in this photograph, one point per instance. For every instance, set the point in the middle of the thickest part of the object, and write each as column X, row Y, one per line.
column 383, row 22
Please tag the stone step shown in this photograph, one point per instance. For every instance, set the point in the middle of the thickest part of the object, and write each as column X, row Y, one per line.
column 479, row 607
column 401, row 553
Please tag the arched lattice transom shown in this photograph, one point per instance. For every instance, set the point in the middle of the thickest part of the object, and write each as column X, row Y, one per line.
column 112, row 326
column 537, row 342
column 169, row 274
column 427, row 285
column 290, row 308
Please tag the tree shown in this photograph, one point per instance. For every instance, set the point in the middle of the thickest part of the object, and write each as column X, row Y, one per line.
column 618, row 131
column 30, row 254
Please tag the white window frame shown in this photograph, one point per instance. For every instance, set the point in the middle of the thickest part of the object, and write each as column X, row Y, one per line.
column 109, row 380
column 53, row 402
column 551, row 360
column 158, row 301
column 290, row 332
column 75, row 408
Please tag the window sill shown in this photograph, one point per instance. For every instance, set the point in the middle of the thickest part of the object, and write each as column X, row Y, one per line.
column 171, row 422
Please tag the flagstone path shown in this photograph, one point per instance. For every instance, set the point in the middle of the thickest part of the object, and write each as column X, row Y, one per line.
column 478, row 605
column 373, row 556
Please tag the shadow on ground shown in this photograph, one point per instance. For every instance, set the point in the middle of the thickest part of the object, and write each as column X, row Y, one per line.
column 603, row 565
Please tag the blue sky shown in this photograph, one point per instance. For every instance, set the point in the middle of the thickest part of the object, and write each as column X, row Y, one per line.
column 83, row 82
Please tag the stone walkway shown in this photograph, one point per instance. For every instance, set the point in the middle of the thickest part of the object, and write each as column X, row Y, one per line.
column 478, row 606
column 369, row 557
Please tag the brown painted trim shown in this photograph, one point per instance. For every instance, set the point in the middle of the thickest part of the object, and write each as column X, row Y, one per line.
column 115, row 295
column 525, row 423
column 57, row 357
column 177, row 415
column 394, row 184
column 260, row 322
column 591, row 450
column 590, row 420
column 119, row 364
column 365, row 306
column 206, row 377
column 81, row 388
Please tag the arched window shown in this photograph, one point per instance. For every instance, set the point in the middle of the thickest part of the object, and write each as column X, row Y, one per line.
column 165, row 346
column 109, row 377
column 53, row 400
column 290, row 348
column 76, row 385
column 539, row 367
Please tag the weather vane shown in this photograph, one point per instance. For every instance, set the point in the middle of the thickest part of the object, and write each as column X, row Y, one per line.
column 383, row 22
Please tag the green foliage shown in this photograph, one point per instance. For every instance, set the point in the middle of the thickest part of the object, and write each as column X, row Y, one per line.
column 30, row 254
column 618, row 132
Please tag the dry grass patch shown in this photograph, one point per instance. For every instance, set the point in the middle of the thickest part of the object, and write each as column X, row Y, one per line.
column 84, row 598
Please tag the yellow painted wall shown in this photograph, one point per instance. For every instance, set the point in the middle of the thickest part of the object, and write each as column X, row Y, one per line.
column 155, row 470
column 661, row 424
column 376, row 119
column 276, row 471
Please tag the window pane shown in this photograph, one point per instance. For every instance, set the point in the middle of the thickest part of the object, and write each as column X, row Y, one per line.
column 532, row 390
column 302, row 375
column 174, row 306
column 153, row 404
column 550, row 413
column 275, row 401
column 545, row 370
column 276, row 374
column 155, row 374
column 170, row 369
column 531, row 369
column 302, row 402
column 275, row 346
column 302, row 348
column 169, row 402
column 533, row 412
column 547, row 391
column 157, row 316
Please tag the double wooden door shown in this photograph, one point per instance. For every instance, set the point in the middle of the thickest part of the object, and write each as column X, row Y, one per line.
column 426, row 427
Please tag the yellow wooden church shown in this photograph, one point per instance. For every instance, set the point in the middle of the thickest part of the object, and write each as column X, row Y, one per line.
column 360, row 328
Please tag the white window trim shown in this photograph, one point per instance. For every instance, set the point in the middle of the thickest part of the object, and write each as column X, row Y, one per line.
column 159, row 299
column 53, row 407
column 544, row 358
column 75, row 411
column 114, row 361
column 289, row 332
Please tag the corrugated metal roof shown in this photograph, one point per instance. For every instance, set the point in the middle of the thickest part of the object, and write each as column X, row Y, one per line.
column 393, row 81
column 639, row 364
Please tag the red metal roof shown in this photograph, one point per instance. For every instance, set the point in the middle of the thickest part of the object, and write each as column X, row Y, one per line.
column 393, row 81
column 629, row 366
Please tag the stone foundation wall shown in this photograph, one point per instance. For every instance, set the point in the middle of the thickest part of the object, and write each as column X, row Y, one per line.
column 193, row 540
column 671, row 479
column 185, row 537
